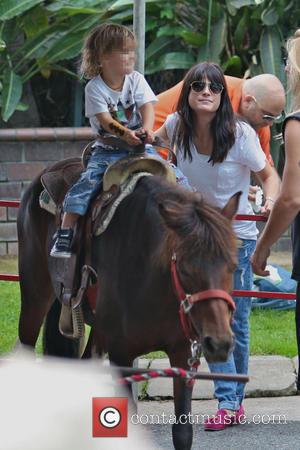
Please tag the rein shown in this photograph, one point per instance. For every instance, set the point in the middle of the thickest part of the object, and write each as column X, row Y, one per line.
column 187, row 301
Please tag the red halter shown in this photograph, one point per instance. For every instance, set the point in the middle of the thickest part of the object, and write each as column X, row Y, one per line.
column 187, row 301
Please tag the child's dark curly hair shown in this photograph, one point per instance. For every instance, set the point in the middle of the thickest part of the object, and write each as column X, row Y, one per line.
column 101, row 40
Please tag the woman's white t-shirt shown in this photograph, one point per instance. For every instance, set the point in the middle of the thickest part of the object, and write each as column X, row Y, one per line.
column 218, row 182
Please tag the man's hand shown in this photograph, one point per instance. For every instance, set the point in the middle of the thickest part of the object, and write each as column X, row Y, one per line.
column 259, row 260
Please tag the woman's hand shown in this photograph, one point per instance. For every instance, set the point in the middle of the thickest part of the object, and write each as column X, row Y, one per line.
column 148, row 135
column 259, row 260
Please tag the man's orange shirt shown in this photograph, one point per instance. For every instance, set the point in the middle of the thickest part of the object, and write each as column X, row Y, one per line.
column 167, row 103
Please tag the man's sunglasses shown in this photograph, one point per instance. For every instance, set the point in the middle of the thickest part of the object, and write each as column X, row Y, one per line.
column 215, row 88
column 269, row 117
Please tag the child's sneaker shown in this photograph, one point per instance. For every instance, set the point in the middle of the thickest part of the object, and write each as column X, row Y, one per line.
column 62, row 245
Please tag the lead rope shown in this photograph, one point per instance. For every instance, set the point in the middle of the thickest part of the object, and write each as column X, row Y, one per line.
column 194, row 361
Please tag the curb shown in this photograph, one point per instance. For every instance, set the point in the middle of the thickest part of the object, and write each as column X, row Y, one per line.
column 270, row 376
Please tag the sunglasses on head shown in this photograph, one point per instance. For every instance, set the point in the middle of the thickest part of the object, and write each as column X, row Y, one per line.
column 215, row 88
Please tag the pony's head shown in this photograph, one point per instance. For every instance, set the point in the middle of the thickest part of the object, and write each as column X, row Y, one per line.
column 203, row 241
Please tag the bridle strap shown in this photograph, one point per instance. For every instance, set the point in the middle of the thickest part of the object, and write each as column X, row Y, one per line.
column 175, row 280
column 212, row 293
column 187, row 301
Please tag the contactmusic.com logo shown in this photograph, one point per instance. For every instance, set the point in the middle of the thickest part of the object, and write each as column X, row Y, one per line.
column 110, row 416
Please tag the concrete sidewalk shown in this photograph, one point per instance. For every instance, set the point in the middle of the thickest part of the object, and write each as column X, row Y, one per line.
column 270, row 376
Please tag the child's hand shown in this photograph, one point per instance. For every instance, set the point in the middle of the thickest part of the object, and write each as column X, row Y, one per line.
column 132, row 137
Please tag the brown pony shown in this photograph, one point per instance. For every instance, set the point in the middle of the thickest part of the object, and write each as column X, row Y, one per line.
column 137, row 306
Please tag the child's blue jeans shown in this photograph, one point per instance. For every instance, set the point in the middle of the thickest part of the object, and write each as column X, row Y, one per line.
column 81, row 193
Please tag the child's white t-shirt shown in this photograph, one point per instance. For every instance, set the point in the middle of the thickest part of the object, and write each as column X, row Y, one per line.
column 122, row 105
column 218, row 182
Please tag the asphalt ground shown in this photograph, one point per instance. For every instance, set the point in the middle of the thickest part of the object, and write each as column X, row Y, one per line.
column 272, row 423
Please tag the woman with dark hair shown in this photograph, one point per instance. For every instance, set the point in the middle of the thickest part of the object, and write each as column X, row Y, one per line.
column 217, row 152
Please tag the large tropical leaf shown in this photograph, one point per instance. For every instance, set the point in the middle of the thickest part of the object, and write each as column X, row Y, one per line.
column 38, row 46
column 241, row 3
column 270, row 52
column 192, row 38
column 34, row 21
column 84, row 4
column 13, row 8
column 233, row 66
column 68, row 47
column 157, row 46
column 73, row 10
column 20, row 106
column 173, row 60
column 218, row 39
column 212, row 51
column 270, row 17
column 41, row 44
column 241, row 29
column 11, row 93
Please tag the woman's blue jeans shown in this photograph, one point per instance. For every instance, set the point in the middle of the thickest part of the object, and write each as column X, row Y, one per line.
column 81, row 193
column 230, row 394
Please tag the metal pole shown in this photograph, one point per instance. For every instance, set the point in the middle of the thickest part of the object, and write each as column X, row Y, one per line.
column 139, row 18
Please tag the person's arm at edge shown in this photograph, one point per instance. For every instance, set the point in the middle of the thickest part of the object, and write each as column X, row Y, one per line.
column 287, row 205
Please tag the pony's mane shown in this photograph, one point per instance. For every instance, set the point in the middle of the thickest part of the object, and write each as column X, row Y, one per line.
column 193, row 227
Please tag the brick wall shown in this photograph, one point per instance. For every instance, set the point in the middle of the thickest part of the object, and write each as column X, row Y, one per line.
column 24, row 153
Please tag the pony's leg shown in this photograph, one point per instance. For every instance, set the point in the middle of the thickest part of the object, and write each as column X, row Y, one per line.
column 35, row 284
column 36, row 299
column 182, row 430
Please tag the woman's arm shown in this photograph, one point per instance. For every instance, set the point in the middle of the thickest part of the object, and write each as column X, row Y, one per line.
column 162, row 134
column 287, row 205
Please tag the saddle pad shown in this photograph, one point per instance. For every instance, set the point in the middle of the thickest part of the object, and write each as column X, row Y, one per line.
column 126, row 188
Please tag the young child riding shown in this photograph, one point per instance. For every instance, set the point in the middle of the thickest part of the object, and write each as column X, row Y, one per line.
column 119, row 103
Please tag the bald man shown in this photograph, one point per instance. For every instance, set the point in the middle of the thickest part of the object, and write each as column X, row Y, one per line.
column 259, row 100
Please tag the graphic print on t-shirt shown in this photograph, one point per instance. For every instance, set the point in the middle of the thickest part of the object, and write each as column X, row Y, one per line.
column 128, row 115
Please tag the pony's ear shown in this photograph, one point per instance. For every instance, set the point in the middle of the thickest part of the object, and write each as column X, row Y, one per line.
column 231, row 206
column 167, row 210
